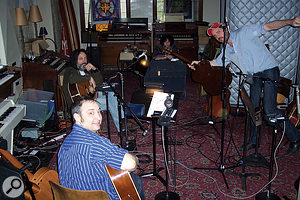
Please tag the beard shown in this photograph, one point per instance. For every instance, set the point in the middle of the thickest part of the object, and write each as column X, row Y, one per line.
column 81, row 66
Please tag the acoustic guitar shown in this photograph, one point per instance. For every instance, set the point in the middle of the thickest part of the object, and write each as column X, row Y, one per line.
column 292, row 113
column 81, row 89
column 123, row 184
column 210, row 77
column 40, row 180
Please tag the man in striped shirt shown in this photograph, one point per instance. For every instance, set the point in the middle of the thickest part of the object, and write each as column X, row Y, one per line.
column 84, row 153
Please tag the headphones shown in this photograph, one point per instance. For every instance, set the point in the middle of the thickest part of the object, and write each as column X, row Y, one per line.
column 168, row 102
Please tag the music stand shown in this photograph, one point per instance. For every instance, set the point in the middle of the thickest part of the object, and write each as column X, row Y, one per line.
column 164, row 121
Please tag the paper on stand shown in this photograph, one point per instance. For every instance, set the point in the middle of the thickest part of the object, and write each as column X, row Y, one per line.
column 157, row 102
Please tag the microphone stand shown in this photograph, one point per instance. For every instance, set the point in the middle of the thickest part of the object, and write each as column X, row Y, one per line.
column 221, row 168
column 124, row 105
column 238, row 112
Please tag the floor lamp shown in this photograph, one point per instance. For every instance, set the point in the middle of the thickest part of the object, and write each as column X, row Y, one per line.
column 34, row 17
column 21, row 20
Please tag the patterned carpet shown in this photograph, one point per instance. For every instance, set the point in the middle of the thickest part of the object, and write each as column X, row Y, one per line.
column 199, row 146
column 193, row 143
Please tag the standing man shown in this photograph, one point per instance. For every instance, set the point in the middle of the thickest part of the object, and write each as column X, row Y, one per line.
column 84, row 153
column 246, row 50
column 80, row 70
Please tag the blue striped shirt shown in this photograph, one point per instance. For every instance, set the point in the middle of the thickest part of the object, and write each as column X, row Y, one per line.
column 82, row 158
column 248, row 51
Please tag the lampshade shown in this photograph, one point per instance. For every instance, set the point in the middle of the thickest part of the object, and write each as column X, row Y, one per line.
column 21, row 19
column 43, row 31
column 34, row 14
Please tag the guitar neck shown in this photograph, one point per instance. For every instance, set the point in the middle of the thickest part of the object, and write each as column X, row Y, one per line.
column 184, row 59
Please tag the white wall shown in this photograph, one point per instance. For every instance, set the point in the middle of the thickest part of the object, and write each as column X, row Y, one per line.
column 10, row 51
column 211, row 11
column 45, row 10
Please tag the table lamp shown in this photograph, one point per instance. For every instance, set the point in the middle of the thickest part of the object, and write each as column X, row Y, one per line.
column 43, row 32
column 35, row 16
column 21, row 20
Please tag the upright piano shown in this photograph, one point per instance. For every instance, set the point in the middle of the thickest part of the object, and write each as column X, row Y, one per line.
column 132, row 31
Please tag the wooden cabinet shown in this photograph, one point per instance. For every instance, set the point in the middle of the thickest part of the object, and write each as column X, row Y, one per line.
column 111, row 43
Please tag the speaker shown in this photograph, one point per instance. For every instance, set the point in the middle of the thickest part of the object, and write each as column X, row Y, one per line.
column 171, row 74
column 11, row 183
column 94, row 56
column 87, row 37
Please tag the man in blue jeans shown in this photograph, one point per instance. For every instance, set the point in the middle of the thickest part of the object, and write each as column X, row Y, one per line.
column 84, row 154
column 246, row 50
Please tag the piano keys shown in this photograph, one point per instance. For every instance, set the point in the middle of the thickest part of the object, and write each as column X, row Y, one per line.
column 5, row 77
column 10, row 115
column 6, row 83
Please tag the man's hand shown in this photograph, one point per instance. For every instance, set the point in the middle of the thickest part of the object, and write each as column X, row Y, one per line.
column 92, row 82
column 192, row 64
column 129, row 162
column 296, row 21
column 89, row 67
column 169, row 57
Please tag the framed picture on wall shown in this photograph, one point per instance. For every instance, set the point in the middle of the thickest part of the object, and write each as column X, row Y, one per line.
column 105, row 10
column 181, row 6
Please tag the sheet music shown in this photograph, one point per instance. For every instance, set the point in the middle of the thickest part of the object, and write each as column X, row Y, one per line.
column 157, row 102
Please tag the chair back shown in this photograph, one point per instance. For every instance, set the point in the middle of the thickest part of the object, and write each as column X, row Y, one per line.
column 62, row 193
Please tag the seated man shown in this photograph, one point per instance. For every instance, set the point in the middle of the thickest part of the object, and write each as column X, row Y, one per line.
column 78, row 71
column 165, row 42
column 84, row 153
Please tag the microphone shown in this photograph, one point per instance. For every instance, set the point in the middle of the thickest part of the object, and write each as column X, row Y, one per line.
column 249, row 79
column 81, row 66
column 145, row 131
column 144, row 62
column 143, row 54
column 297, row 99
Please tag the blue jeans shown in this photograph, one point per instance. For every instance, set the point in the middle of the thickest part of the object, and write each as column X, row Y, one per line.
column 138, row 182
column 112, row 106
column 269, row 80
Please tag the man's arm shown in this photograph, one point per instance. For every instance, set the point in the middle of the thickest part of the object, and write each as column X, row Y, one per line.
column 274, row 25
column 129, row 162
column 195, row 62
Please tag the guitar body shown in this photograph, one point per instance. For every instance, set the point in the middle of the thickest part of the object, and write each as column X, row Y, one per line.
column 210, row 77
column 216, row 108
column 40, row 184
column 81, row 89
column 40, row 180
column 123, row 184
column 292, row 113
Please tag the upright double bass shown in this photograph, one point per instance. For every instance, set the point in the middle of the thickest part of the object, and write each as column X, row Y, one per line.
column 210, row 77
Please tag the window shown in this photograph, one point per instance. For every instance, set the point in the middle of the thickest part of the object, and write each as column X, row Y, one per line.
column 139, row 9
